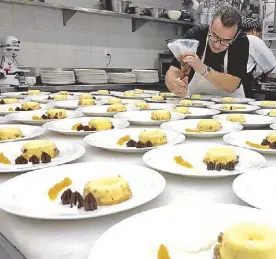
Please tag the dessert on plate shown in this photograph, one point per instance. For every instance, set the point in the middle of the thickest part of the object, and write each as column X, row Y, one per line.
column 9, row 101
column 183, row 110
column 156, row 137
column 228, row 99
column 60, row 97
column 195, row 96
column 86, row 102
column 246, row 241
column 231, row 107
column 268, row 103
column 63, row 93
column 186, row 102
column 219, row 158
column 103, row 92
column 167, row 94
column 270, row 140
column 27, row 106
column 118, row 107
column 138, row 91
column 157, row 98
column 142, row 105
column 272, row 113
column 85, row 96
column 161, row 115
column 114, row 100
column 108, row 190
column 101, row 124
column 209, row 125
column 33, row 92
column 52, row 114
column 10, row 133
column 129, row 94
column 236, row 118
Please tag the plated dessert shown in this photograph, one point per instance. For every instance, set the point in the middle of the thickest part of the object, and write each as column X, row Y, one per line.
column 268, row 143
column 33, row 92
column 26, row 106
column 235, row 108
column 158, row 98
column 10, row 133
column 161, row 115
column 183, row 110
column 52, row 114
column 9, row 101
column 236, row 118
column 116, row 108
column 207, row 125
column 142, row 105
column 232, row 107
column 94, row 125
column 114, row 100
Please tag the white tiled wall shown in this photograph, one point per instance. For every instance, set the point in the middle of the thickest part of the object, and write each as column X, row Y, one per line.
column 86, row 39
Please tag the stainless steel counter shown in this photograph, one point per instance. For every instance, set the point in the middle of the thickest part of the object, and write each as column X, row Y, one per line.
column 87, row 88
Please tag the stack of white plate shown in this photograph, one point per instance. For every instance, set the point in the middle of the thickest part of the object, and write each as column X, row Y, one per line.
column 146, row 76
column 57, row 77
column 91, row 76
column 121, row 78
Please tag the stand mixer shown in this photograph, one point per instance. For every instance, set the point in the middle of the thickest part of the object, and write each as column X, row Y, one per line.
column 10, row 74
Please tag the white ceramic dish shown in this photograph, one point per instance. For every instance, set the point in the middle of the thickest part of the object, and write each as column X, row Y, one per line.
column 136, row 96
column 22, row 95
column 4, row 109
column 66, row 126
column 236, row 100
column 33, row 202
column 3, row 119
column 265, row 112
column 259, row 103
column 181, row 126
column 255, row 136
column 252, row 120
column 108, row 140
column 198, row 104
column 162, row 159
column 68, row 152
column 26, row 117
column 246, row 108
column 200, row 113
column 144, row 117
column 71, row 104
column 257, row 188
column 44, row 98
column 29, row 132
column 202, row 97
column 188, row 230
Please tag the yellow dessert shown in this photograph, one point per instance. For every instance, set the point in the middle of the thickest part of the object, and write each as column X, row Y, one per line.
column 56, row 113
column 161, row 115
column 220, row 155
column 142, row 105
column 38, row 147
column 75, row 127
column 33, row 92
column 180, row 161
column 272, row 113
column 10, row 133
column 271, row 137
column 85, row 96
column 109, row 190
column 114, row 100
column 209, row 125
column 236, row 118
column 163, row 253
column 86, row 102
column 4, row 160
column 255, row 145
column 196, row 96
column 248, row 241
column 231, row 107
column 228, row 99
column 157, row 98
column 57, row 188
column 123, row 140
column 186, row 102
column 138, row 91
column 30, row 106
column 268, row 103
column 166, row 94
column 9, row 100
column 103, row 92
column 116, row 108
column 60, row 97
column 11, row 109
column 100, row 124
column 156, row 137
column 63, row 93
column 183, row 110
column 129, row 94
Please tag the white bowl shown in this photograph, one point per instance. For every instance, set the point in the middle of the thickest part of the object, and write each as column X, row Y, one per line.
column 174, row 15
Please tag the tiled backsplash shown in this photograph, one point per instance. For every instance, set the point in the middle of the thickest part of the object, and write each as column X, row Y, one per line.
column 86, row 39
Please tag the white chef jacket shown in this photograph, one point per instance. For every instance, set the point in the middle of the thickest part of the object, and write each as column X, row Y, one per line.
column 260, row 55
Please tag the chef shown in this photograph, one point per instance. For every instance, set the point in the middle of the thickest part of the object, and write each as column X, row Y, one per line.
column 259, row 54
column 221, row 59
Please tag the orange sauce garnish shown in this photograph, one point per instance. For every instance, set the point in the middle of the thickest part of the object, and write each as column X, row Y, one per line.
column 179, row 160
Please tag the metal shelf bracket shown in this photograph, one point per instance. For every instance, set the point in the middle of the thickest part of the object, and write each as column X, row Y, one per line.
column 137, row 23
column 67, row 15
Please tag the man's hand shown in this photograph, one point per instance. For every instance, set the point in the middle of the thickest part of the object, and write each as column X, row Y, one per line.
column 195, row 62
column 180, row 87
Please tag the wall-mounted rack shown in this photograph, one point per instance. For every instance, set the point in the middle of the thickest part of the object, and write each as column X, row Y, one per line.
column 69, row 11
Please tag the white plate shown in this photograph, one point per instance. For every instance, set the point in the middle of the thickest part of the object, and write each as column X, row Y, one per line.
column 66, row 126
column 185, row 228
column 44, row 99
column 123, row 101
column 153, row 101
column 58, row 82
column 101, row 110
column 162, row 159
column 257, row 188
column 4, row 109
column 198, row 113
column 265, row 112
column 256, row 136
column 259, row 103
column 71, row 104
column 3, row 119
column 20, row 196
column 29, row 132
column 252, row 120
column 96, row 93
column 199, row 104
column 108, row 140
column 26, row 117
column 236, row 100
column 144, row 117
column 181, row 126
column 21, row 95
column 248, row 108
column 202, row 97
column 136, row 96
column 68, row 152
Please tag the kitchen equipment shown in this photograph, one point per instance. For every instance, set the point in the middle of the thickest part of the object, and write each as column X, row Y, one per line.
column 164, row 63
column 174, row 15
column 10, row 74
column 30, row 81
column 125, row 6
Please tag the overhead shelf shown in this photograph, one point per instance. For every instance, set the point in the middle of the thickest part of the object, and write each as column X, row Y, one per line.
column 69, row 11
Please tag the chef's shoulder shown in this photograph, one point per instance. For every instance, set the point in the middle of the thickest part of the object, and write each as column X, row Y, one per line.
column 198, row 32
column 241, row 43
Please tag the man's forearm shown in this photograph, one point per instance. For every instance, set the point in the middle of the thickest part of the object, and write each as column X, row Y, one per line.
column 223, row 81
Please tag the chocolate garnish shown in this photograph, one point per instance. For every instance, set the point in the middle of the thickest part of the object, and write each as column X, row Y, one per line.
column 112, row 127
column 230, row 166
column 45, row 158
column 148, row 144
column 17, row 109
column 140, row 144
column 80, row 127
column 265, row 142
column 34, row 160
column 2, row 102
column 21, row 160
column 76, row 200
column 44, row 117
column 86, row 128
column 131, row 143
column 90, row 202
column 66, row 197
column 55, row 117
column 50, row 98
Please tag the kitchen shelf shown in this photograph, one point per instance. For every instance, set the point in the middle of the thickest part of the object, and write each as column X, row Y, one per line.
column 69, row 11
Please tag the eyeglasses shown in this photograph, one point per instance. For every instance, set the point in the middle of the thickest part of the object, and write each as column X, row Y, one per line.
column 225, row 43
